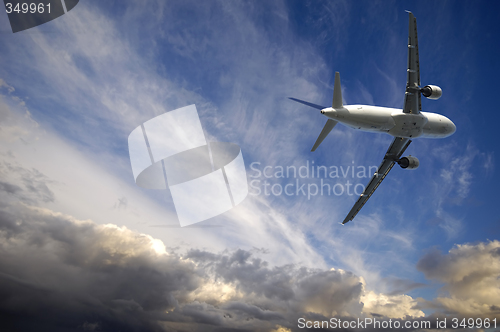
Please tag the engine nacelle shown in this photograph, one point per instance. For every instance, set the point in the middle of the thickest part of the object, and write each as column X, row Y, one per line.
column 432, row 92
column 409, row 162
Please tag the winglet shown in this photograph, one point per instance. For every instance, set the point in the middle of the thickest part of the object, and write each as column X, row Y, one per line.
column 337, row 92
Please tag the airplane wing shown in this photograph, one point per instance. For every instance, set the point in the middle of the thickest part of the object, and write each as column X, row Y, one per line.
column 412, row 102
column 392, row 155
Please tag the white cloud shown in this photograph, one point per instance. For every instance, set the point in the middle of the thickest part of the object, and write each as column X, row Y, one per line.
column 9, row 88
column 471, row 277
column 390, row 305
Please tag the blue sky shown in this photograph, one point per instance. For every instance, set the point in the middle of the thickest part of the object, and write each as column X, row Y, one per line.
column 73, row 89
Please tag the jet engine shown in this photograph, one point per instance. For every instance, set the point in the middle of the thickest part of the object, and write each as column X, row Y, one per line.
column 432, row 91
column 409, row 162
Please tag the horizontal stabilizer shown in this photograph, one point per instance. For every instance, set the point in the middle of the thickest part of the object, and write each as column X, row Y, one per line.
column 326, row 130
column 308, row 103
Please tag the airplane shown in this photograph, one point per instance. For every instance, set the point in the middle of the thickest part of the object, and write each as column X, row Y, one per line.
column 404, row 124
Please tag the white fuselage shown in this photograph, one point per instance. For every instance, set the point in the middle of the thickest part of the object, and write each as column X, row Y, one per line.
column 392, row 121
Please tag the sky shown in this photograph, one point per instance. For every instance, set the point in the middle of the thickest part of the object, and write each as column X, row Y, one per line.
column 84, row 248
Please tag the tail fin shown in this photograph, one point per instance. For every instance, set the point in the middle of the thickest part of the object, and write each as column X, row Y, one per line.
column 337, row 92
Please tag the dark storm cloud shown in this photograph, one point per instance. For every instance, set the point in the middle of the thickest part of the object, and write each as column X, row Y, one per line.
column 297, row 288
column 59, row 274
column 252, row 275
column 9, row 188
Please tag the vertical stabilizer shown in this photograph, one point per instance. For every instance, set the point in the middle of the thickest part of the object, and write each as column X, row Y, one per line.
column 337, row 92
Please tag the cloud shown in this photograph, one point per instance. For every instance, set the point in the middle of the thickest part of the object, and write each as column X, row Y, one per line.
column 62, row 272
column 15, row 126
column 394, row 306
column 9, row 88
column 488, row 163
column 59, row 272
column 471, row 277
column 27, row 185
column 403, row 285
